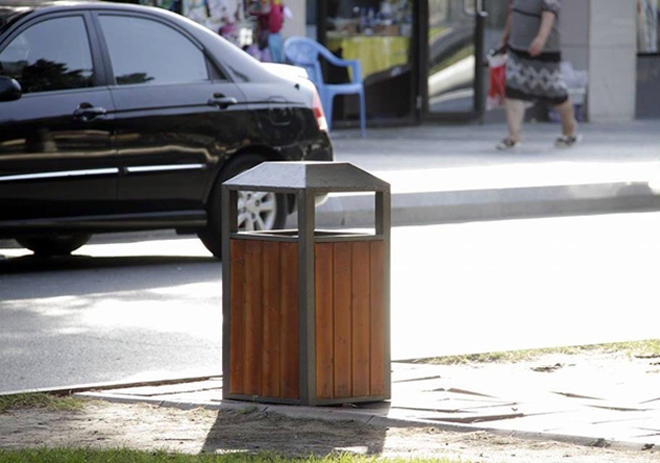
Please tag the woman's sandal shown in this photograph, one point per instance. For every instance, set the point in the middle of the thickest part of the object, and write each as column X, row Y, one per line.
column 507, row 144
column 566, row 141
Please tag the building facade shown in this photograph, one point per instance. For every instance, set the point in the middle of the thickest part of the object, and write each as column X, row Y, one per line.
column 425, row 59
column 610, row 47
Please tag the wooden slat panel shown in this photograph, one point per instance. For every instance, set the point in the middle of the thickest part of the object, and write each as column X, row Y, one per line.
column 289, row 341
column 272, row 329
column 349, row 315
column 324, row 328
column 377, row 345
column 237, row 321
column 342, row 319
column 253, row 317
column 360, row 304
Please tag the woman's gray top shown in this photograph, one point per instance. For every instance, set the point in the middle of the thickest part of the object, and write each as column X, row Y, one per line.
column 526, row 21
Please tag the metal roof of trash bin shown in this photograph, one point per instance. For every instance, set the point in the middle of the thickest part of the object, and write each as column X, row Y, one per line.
column 307, row 175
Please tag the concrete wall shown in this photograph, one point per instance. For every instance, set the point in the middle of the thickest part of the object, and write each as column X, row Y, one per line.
column 296, row 25
column 574, row 28
column 612, row 60
column 599, row 36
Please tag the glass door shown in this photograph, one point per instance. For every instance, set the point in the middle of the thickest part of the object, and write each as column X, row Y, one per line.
column 453, row 78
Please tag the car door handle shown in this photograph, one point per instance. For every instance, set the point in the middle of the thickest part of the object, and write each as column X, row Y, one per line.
column 222, row 101
column 87, row 112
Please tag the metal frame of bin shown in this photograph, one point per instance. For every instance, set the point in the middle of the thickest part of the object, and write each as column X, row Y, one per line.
column 306, row 181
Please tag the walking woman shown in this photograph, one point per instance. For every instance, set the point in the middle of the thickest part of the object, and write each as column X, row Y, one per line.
column 531, row 38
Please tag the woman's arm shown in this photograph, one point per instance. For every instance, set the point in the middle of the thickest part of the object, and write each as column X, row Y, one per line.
column 547, row 21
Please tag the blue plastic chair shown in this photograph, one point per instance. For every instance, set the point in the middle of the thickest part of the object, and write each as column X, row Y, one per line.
column 304, row 52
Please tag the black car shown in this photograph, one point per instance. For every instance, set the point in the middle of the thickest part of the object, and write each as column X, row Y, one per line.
column 117, row 117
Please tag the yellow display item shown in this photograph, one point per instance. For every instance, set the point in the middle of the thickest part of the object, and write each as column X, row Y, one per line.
column 376, row 52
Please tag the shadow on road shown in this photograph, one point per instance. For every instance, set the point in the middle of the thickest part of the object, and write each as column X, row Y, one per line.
column 32, row 263
column 30, row 277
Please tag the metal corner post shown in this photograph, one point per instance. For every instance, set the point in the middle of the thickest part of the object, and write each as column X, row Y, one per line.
column 384, row 227
column 229, row 211
column 306, row 297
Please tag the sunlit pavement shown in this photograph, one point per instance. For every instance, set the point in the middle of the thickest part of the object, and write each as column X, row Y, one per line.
column 475, row 286
column 588, row 404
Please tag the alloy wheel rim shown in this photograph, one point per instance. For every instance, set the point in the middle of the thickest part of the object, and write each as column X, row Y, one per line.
column 256, row 210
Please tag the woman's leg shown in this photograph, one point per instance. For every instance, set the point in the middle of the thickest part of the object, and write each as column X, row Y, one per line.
column 515, row 113
column 567, row 118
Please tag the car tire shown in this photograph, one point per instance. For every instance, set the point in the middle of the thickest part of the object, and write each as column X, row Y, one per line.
column 257, row 210
column 54, row 245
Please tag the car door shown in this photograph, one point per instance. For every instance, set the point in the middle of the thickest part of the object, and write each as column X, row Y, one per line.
column 56, row 156
column 176, row 115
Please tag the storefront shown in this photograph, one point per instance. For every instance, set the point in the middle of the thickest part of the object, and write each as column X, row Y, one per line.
column 425, row 59
column 435, row 67
column 421, row 60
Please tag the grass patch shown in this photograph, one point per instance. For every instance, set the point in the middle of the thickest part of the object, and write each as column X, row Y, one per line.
column 133, row 456
column 38, row 400
column 639, row 349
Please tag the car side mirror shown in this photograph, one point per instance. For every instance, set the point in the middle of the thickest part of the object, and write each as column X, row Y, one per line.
column 10, row 89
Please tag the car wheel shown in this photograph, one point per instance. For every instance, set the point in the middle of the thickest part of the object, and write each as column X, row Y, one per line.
column 257, row 210
column 54, row 245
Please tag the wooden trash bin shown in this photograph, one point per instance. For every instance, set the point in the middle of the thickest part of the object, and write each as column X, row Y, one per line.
column 306, row 312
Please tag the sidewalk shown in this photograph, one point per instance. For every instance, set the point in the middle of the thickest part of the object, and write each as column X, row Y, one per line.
column 583, row 401
column 441, row 174
column 447, row 174
column 444, row 174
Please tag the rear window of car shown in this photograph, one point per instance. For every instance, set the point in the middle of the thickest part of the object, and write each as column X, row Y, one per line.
column 143, row 51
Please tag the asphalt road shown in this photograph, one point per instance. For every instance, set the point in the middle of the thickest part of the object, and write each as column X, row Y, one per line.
column 137, row 311
column 151, row 308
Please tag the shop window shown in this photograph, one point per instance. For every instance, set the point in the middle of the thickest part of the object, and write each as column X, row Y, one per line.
column 379, row 35
column 376, row 33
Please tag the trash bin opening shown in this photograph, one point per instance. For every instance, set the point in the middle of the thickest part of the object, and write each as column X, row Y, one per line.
column 319, row 235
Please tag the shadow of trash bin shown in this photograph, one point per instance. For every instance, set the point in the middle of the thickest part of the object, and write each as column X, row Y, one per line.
column 306, row 316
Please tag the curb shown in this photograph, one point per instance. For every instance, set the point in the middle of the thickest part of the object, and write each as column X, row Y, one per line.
column 440, row 207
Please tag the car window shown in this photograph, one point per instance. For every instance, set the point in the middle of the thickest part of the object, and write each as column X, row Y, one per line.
column 143, row 51
column 51, row 55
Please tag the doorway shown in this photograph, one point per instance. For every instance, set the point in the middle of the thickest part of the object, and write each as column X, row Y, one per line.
column 452, row 75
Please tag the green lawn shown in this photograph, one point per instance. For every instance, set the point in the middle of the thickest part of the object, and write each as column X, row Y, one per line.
column 131, row 456
column 640, row 349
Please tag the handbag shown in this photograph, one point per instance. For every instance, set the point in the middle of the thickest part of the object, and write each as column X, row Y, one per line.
column 496, row 79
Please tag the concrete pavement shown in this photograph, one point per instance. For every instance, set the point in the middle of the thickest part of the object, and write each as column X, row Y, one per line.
column 444, row 174
column 441, row 174
column 583, row 401
column 453, row 173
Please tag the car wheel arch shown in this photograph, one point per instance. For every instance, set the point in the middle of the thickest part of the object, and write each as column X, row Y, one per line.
column 211, row 233
column 269, row 154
